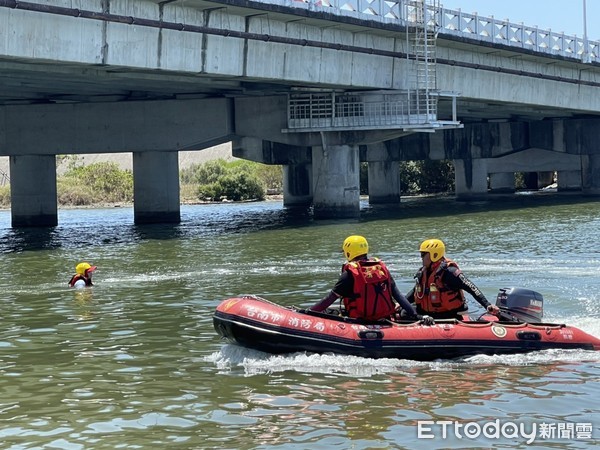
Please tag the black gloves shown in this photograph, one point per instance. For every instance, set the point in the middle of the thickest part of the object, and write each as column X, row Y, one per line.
column 493, row 309
column 426, row 320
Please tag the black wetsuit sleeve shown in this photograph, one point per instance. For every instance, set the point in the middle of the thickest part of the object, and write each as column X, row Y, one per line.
column 402, row 300
column 343, row 288
column 411, row 296
column 325, row 302
column 455, row 279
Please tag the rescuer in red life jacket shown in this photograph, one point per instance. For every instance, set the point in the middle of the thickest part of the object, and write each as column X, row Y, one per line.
column 83, row 275
column 440, row 283
column 366, row 287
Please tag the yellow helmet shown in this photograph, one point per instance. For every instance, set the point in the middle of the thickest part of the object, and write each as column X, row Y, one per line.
column 434, row 247
column 355, row 246
column 83, row 268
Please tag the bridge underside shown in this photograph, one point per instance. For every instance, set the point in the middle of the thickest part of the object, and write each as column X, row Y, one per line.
column 321, row 169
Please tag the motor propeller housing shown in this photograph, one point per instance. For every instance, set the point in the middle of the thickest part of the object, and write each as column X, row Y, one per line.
column 525, row 304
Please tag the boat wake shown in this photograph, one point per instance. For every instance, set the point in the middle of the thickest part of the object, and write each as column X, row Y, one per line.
column 233, row 358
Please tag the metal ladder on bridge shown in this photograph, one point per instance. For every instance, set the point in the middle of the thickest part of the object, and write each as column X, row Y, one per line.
column 423, row 14
column 411, row 109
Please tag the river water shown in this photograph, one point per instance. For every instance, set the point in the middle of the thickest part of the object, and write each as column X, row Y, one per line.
column 134, row 362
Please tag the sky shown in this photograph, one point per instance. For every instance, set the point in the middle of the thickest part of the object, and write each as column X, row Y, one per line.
column 557, row 15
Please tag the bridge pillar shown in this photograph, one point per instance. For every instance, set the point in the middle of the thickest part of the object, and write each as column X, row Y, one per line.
column 591, row 174
column 156, row 187
column 383, row 175
column 33, row 191
column 545, row 179
column 297, row 185
column 470, row 179
column 569, row 180
column 336, row 180
column 384, row 182
column 502, row 183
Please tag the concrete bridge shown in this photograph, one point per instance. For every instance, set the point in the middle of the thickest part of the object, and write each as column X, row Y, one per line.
column 314, row 86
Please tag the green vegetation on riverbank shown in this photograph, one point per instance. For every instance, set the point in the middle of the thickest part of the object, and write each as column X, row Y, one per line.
column 106, row 183
column 218, row 180
column 236, row 181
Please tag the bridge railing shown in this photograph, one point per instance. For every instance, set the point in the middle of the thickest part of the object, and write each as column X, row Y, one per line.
column 459, row 23
column 517, row 35
column 330, row 111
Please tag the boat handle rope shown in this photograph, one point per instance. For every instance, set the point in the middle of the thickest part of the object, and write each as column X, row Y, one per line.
column 398, row 324
column 256, row 297
column 557, row 326
column 466, row 324
column 440, row 321
column 489, row 324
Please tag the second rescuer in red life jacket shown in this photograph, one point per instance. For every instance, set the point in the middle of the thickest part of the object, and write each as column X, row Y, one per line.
column 366, row 286
column 439, row 285
column 83, row 275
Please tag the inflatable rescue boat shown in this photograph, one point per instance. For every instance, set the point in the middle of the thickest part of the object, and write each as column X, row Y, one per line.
column 259, row 324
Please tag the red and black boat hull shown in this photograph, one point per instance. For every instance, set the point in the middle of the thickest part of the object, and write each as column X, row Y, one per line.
column 261, row 325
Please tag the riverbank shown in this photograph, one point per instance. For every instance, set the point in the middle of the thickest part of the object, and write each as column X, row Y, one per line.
column 101, row 205
column 124, row 161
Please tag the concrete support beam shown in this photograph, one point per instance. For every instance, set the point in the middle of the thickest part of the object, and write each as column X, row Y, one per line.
column 268, row 152
column 33, row 191
column 569, row 180
column 297, row 185
column 534, row 160
column 115, row 127
column 336, row 180
column 470, row 178
column 502, row 183
column 383, row 174
column 384, row 182
column 591, row 174
column 156, row 187
column 296, row 162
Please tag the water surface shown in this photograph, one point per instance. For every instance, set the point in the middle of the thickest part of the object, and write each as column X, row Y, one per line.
column 135, row 363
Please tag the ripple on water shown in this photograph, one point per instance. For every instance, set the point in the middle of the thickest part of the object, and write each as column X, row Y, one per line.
column 135, row 362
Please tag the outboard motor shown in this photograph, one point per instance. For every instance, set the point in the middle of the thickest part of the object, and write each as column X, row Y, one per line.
column 524, row 304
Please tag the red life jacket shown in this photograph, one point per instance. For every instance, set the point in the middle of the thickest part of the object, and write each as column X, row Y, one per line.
column 432, row 296
column 372, row 298
column 77, row 277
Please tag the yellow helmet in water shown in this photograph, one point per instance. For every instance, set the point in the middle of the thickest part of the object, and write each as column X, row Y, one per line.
column 83, row 268
column 434, row 247
column 355, row 246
